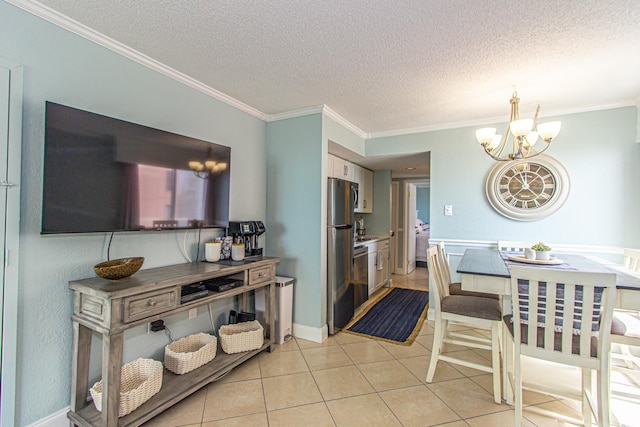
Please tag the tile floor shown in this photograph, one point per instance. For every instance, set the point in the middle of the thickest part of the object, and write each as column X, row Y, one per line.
column 354, row 381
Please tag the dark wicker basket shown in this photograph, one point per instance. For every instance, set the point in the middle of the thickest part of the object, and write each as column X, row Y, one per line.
column 118, row 268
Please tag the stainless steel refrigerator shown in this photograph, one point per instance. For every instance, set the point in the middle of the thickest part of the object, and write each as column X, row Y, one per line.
column 343, row 298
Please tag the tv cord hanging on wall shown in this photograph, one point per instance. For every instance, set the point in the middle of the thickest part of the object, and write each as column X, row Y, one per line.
column 167, row 332
column 198, row 246
column 109, row 247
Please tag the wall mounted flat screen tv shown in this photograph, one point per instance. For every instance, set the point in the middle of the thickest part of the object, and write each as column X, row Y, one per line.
column 103, row 174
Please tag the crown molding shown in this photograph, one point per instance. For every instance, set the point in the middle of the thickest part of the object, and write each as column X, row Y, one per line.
column 344, row 122
column 294, row 113
column 325, row 110
column 90, row 34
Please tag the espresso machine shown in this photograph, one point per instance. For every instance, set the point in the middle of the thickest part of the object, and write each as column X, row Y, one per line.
column 248, row 233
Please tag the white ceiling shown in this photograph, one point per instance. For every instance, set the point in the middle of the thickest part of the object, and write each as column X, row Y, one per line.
column 385, row 66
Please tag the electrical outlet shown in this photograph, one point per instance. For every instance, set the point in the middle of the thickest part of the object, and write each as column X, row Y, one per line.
column 193, row 313
column 155, row 326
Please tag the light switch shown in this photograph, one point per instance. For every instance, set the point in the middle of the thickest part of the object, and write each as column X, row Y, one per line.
column 193, row 313
column 448, row 210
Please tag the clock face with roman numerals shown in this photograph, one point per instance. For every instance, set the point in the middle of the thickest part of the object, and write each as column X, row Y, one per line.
column 528, row 189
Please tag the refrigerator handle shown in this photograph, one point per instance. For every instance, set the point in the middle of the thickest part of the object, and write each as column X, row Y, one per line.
column 343, row 227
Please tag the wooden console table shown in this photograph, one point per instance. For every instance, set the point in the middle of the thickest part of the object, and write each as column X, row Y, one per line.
column 111, row 307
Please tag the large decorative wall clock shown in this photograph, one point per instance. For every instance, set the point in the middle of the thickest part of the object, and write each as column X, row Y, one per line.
column 528, row 189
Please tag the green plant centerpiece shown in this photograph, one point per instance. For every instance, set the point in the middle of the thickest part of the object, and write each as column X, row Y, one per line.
column 542, row 251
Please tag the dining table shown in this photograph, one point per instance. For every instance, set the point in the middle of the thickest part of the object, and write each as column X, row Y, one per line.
column 488, row 270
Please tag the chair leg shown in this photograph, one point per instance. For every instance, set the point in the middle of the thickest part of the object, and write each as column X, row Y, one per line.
column 507, row 366
column 604, row 393
column 628, row 358
column 443, row 335
column 587, row 390
column 495, row 361
column 435, row 350
column 517, row 374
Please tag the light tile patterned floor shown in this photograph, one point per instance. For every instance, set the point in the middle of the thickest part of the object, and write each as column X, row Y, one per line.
column 354, row 381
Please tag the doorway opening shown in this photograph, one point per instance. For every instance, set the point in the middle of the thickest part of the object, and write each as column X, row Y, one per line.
column 411, row 222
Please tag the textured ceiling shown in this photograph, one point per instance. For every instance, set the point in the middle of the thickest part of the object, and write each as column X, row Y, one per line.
column 387, row 66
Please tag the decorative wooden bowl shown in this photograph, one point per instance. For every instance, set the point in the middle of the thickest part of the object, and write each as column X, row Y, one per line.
column 118, row 268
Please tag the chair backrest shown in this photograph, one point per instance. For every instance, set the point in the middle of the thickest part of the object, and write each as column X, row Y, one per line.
column 165, row 224
column 444, row 263
column 572, row 309
column 632, row 259
column 513, row 246
column 438, row 287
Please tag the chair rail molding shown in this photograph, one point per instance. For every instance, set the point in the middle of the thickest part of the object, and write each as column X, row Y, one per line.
column 638, row 121
column 557, row 247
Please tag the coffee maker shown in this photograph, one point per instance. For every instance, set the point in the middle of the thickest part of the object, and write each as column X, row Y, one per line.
column 248, row 233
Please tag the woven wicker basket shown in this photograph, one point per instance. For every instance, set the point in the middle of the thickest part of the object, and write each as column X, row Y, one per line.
column 243, row 336
column 140, row 380
column 189, row 353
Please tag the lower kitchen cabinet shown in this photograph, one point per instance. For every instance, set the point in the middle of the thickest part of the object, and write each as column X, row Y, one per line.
column 378, row 264
column 373, row 256
column 382, row 266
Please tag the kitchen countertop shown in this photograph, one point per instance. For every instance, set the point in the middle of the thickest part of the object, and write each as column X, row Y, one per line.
column 366, row 240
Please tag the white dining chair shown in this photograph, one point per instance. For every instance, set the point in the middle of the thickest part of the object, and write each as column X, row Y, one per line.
column 632, row 259
column 625, row 328
column 455, row 288
column 572, row 327
column 479, row 312
column 513, row 246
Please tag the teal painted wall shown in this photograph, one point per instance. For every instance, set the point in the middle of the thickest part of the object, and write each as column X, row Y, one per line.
column 337, row 133
column 65, row 68
column 597, row 148
column 295, row 210
column 422, row 203
column 378, row 223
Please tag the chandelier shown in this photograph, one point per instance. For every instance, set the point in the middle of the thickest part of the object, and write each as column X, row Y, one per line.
column 209, row 167
column 525, row 134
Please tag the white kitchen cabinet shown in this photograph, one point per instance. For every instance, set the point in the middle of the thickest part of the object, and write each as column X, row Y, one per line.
column 372, row 268
column 342, row 169
column 378, row 264
column 364, row 178
column 330, row 161
column 382, row 263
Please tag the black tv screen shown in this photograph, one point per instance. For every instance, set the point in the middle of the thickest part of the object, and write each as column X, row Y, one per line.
column 103, row 174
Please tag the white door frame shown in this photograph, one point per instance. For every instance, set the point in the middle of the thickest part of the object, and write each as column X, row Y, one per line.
column 10, row 150
column 423, row 182
column 409, row 226
column 395, row 226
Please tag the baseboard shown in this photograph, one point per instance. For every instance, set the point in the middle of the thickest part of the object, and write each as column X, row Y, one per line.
column 310, row 333
column 57, row 419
